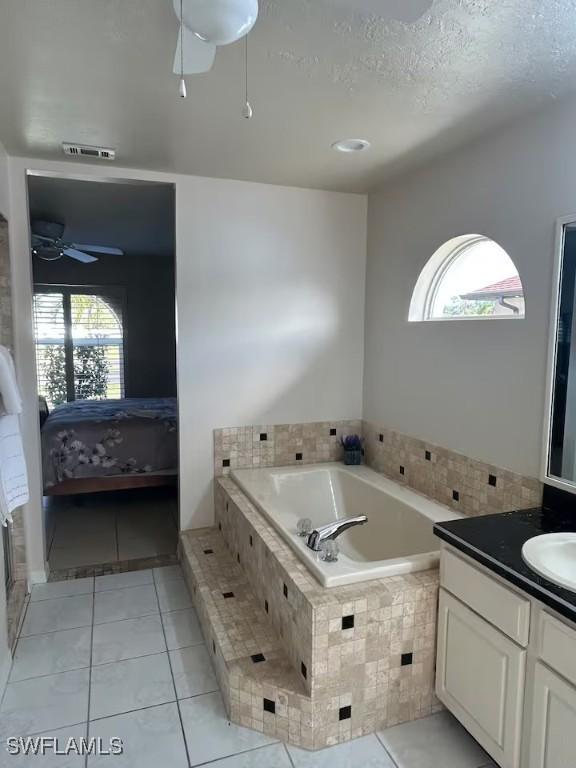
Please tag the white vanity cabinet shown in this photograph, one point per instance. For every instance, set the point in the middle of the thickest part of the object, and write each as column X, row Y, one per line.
column 506, row 667
column 552, row 726
column 480, row 670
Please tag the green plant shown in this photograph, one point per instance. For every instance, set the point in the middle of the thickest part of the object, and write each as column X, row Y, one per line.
column 55, row 374
column 458, row 307
column 90, row 372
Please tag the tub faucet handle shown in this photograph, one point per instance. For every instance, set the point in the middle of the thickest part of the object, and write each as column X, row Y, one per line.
column 329, row 551
column 304, row 526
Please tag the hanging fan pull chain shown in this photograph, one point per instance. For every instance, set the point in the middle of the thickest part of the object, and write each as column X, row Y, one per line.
column 247, row 111
column 182, row 88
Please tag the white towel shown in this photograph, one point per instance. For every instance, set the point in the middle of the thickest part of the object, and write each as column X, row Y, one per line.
column 13, row 474
column 9, row 390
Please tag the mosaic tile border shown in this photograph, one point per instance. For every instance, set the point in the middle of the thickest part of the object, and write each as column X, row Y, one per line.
column 277, row 445
column 466, row 485
column 469, row 486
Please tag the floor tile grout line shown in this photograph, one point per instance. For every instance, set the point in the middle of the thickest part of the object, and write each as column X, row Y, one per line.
column 51, row 730
column 26, row 608
column 238, row 754
column 175, row 700
column 52, row 631
column 50, row 674
column 104, row 663
column 114, row 621
column 90, row 668
column 62, row 597
column 289, row 755
column 376, row 733
column 172, row 675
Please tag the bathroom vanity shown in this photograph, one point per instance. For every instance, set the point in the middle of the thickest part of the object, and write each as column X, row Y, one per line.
column 506, row 657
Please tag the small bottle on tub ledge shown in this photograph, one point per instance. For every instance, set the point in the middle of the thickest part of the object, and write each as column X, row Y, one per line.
column 353, row 450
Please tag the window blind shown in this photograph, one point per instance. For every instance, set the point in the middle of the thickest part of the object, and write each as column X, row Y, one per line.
column 79, row 345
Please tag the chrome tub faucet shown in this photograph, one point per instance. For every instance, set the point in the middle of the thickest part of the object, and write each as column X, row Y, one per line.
column 331, row 531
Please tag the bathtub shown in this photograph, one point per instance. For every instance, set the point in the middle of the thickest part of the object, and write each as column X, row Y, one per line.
column 397, row 539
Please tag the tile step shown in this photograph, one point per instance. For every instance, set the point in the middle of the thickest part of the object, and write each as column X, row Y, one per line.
column 235, row 626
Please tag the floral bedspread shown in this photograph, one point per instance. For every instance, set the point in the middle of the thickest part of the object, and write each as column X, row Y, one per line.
column 97, row 438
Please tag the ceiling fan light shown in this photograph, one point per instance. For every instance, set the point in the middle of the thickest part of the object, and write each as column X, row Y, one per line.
column 219, row 22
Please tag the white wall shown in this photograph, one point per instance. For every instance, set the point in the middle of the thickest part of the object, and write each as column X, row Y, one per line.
column 473, row 386
column 5, row 657
column 270, row 295
column 3, row 182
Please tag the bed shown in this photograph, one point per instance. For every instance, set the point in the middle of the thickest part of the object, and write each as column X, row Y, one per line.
column 102, row 445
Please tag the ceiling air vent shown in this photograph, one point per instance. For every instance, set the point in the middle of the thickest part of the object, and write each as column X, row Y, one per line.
column 83, row 150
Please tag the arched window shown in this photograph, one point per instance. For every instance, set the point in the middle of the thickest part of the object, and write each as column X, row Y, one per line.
column 79, row 344
column 468, row 277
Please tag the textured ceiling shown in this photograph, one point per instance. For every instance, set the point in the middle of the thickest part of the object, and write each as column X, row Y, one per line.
column 100, row 73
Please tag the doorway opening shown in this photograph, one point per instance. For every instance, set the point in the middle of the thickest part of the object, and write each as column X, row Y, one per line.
column 103, row 266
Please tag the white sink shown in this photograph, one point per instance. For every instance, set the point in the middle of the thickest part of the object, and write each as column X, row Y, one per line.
column 553, row 556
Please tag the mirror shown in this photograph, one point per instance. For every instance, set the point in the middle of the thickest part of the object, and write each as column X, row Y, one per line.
column 561, row 444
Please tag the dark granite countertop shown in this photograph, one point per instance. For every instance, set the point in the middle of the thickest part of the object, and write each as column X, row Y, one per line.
column 496, row 542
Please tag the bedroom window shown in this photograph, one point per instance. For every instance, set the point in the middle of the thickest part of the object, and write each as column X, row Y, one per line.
column 79, row 344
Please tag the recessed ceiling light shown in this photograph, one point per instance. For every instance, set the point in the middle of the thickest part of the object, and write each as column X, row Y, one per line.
column 351, row 145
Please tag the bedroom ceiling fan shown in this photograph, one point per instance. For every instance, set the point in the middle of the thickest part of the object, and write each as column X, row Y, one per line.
column 207, row 24
column 48, row 244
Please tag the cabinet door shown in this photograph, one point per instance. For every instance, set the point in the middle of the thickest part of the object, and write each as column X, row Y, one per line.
column 553, row 726
column 480, row 679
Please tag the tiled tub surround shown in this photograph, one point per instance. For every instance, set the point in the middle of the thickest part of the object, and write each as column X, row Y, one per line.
column 280, row 445
column 471, row 487
column 310, row 665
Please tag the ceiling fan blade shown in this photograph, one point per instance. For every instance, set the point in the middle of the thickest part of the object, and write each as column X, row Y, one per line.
column 198, row 55
column 99, row 249
column 73, row 253
column 407, row 11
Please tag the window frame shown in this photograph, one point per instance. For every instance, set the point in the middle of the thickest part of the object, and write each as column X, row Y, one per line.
column 104, row 292
column 433, row 273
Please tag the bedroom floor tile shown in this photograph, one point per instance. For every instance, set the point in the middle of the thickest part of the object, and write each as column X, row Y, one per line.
column 146, row 546
column 108, row 528
column 73, row 556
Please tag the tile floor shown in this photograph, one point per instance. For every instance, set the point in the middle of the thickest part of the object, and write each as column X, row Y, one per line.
column 123, row 656
column 110, row 527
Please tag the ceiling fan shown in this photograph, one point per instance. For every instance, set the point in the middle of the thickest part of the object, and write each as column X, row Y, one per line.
column 207, row 24
column 48, row 244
